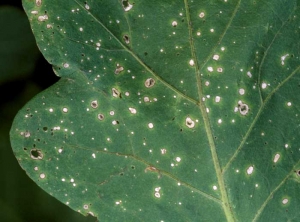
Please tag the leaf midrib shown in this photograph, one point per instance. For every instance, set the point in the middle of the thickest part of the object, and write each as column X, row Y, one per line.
column 224, row 197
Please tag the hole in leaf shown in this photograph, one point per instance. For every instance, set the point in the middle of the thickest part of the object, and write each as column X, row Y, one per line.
column 36, row 154
column 126, row 39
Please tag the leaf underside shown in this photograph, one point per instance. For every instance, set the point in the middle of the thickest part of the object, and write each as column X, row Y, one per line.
column 166, row 110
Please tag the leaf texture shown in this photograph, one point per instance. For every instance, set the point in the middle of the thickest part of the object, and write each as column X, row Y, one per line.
column 166, row 110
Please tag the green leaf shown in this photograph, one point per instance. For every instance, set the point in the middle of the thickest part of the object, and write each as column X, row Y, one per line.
column 166, row 111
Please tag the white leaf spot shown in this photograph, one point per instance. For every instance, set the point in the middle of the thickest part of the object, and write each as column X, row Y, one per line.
column 216, row 57
column 276, row 158
column 241, row 91
column 202, row 14
column 210, row 69
column 283, row 58
column 192, row 63
column 285, row 201
column 189, row 122
column 250, row 170
column 132, row 110
column 42, row 176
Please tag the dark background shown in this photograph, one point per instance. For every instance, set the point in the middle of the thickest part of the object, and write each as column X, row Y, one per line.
column 23, row 73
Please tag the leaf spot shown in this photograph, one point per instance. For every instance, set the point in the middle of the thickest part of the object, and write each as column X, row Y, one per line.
column 43, row 18
column 94, row 104
column 250, row 170
column 219, row 69
column 285, row 201
column 150, row 125
column 149, row 82
column 42, row 176
column 65, row 110
column 87, row 6
column 192, row 63
column 289, row 104
column 276, row 158
column 146, row 99
column 66, row 65
column 38, row 3
column 163, row 151
column 100, row 116
column 132, row 110
column 157, row 192
column 215, row 187
column 216, row 57
column 189, row 122
column 210, row 69
column 202, row 14
column 241, row 91
column 34, row 12
column 178, row 159
column 116, row 93
column 119, row 69
column 174, row 23
column 243, row 108
column 264, row 85
column 218, row 99
column 85, row 206
column 282, row 58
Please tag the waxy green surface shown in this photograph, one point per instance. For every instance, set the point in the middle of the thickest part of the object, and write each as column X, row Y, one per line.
column 167, row 110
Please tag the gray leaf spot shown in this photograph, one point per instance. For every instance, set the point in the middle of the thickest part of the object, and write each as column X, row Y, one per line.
column 243, row 108
column 94, row 104
column 119, row 69
column 38, row 3
column 149, row 82
column 100, row 116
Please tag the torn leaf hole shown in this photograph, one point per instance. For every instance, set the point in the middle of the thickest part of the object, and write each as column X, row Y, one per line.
column 126, row 5
column 126, row 39
column 298, row 173
column 36, row 154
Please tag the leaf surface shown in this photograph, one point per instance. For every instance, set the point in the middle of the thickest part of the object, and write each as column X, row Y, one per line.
column 166, row 111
